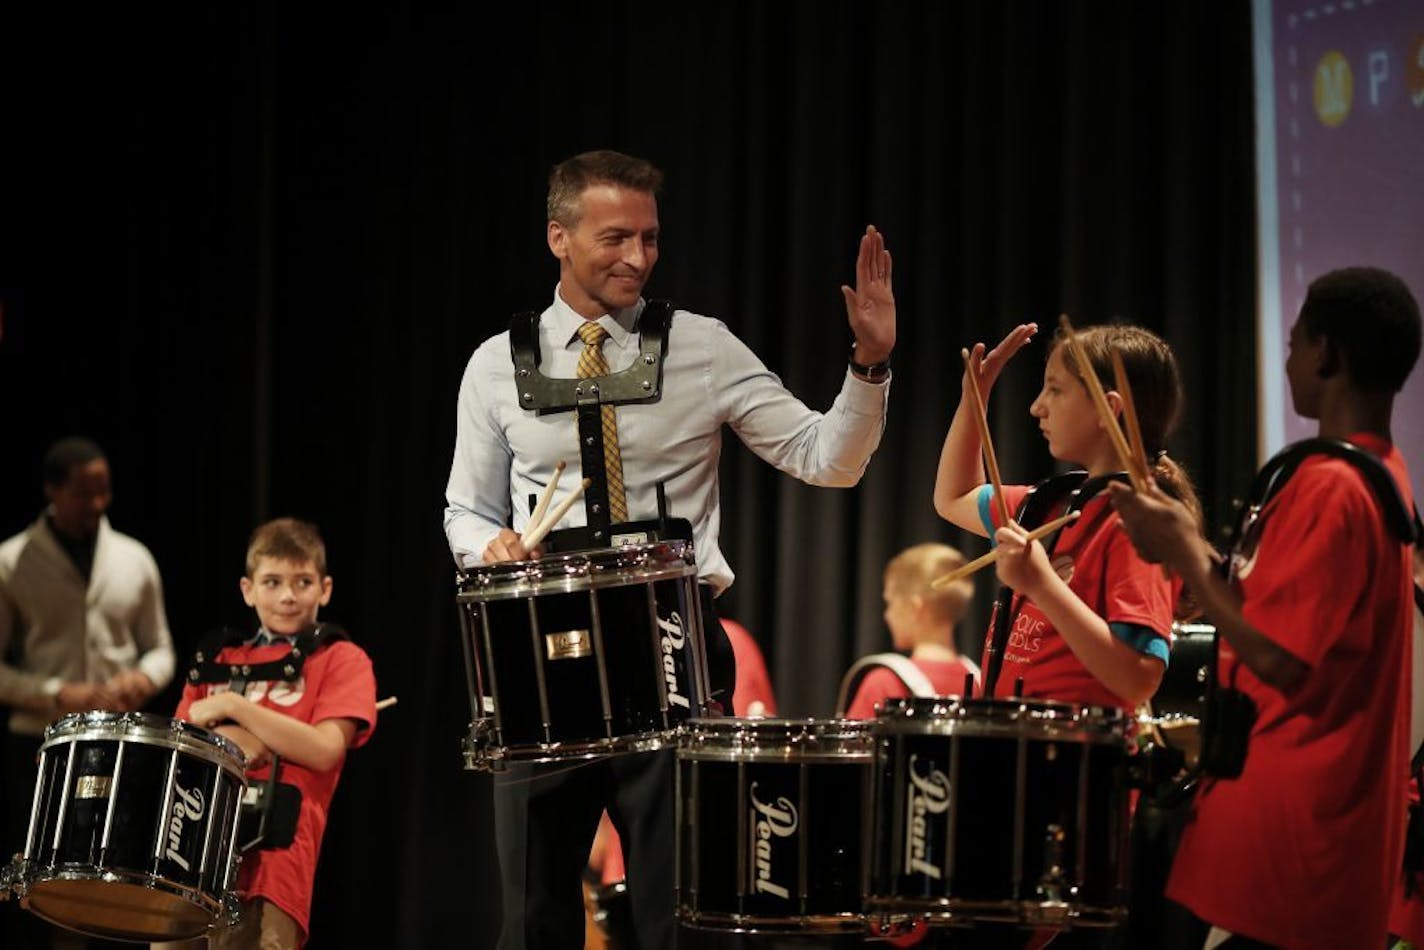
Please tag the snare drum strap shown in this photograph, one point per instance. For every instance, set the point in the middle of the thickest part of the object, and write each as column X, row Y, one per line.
column 1074, row 490
column 911, row 675
column 1272, row 477
column 207, row 669
column 640, row 382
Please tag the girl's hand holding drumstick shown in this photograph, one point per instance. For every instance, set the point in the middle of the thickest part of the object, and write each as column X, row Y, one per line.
column 981, row 371
column 964, row 570
column 971, row 375
column 992, row 362
column 961, row 470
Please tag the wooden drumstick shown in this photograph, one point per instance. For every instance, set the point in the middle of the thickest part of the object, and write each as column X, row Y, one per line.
column 1134, row 430
column 386, row 703
column 542, row 506
column 981, row 419
column 544, row 527
column 1100, row 399
column 984, row 560
column 1129, row 416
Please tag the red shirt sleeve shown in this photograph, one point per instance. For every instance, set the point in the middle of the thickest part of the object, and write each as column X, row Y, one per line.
column 191, row 694
column 348, row 690
column 1136, row 592
column 1013, row 497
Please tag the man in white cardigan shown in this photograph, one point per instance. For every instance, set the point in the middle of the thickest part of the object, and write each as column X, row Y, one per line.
column 82, row 624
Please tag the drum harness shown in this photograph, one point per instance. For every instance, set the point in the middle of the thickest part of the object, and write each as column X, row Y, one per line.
column 902, row 666
column 640, row 382
column 1078, row 489
column 270, row 810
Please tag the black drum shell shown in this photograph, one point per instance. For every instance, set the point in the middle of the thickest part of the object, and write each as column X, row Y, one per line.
column 999, row 811
column 585, row 653
column 772, row 824
column 132, row 830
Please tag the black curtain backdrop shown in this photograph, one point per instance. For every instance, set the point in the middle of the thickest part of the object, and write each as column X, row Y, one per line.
column 250, row 249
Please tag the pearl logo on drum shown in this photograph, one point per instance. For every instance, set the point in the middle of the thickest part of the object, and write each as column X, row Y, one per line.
column 568, row 645
column 92, row 786
column 188, row 805
column 926, row 795
column 673, row 639
column 769, row 820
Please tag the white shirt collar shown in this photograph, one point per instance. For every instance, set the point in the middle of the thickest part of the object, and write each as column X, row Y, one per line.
column 566, row 323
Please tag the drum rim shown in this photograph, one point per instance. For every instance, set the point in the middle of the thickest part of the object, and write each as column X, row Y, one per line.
column 1028, row 718
column 1020, row 705
column 24, row 885
column 961, row 911
column 481, row 757
column 787, row 924
column 146, row 728
column 741, row 739
column 721, row 723
column 578, row 570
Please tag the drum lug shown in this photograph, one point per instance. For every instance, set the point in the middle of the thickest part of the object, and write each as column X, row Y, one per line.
column 1051, row 884
column 480, row 751
column 232, row 910
column 10, row 876
column 888, row 927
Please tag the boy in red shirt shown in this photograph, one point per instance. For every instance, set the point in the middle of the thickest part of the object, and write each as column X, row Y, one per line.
column 921, row 621
column 1303, row 848
column 309, row 720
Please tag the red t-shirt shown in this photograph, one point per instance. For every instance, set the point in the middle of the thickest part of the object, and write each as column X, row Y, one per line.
column 337, row 682
column 1304, row 848
column 1096, row 558
column 946, row 676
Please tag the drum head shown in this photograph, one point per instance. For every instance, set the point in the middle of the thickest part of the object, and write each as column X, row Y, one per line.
column 146, row 729
column 578, row 571
column 950, row 715
column 789, row 740
column 117, row 910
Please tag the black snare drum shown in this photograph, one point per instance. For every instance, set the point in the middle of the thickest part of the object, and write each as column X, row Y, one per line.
column 581, row 654
column 1175, row 715
column 133, row 827
column 771, row 824
column 999, row 811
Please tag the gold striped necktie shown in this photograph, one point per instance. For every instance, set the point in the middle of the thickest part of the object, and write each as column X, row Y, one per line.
column 591, row 363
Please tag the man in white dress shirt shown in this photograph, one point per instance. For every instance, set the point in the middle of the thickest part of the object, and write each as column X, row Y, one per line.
column 603, row 229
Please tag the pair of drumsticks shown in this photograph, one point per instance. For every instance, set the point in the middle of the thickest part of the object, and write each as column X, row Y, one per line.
column 1130, row 450
column 541, row 523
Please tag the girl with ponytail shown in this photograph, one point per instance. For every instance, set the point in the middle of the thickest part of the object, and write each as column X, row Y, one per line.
column 1092, row 623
